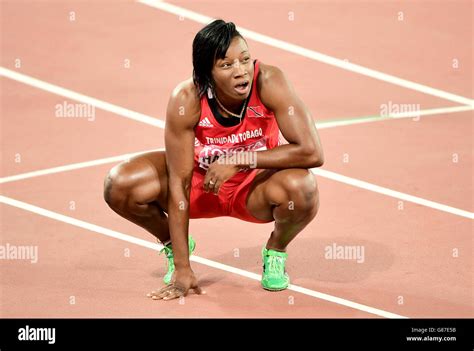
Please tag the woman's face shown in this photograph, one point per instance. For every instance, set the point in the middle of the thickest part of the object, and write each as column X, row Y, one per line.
column 233, row 74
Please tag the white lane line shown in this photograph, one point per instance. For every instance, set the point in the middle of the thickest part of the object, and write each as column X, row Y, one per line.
column 392, row 193
column 155, row 246
column 311, row 54
column 161, row 124
column 431, row 112
column 72, row 166
column 156, row 122
column 415, row 114
column 55, row 89
column 318, row 171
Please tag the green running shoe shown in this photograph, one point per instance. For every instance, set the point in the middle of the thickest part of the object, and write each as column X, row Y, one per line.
column 168, row 250
column 274, row 275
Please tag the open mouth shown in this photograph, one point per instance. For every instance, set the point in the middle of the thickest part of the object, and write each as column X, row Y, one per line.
column 242, row 88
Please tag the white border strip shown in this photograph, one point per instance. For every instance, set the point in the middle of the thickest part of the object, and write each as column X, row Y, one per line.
column 139, row 117
column 22, row 78
column 72, row 166
column 155, row 246
column 392, row 193
column 318, row 171
column 161, row 124
column 413, row 114
column 311, row 54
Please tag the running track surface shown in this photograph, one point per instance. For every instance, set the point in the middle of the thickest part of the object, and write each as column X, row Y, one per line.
column 418, row 259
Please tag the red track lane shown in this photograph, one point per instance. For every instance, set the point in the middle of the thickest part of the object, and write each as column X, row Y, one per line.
column 44, row 140
column 430, row 157
column 159, row 61
column 407, row 253
column 105, row 283
column 420, row 48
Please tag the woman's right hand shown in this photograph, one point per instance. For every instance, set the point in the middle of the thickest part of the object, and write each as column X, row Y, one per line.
column 183, row 280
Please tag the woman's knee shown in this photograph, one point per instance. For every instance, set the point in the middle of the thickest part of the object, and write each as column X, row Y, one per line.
column 131, row 186
column 300, row 188
column 116, row 186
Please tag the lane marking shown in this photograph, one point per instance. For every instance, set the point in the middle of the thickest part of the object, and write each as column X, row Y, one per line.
column 72, row 166
column 311, row 54
column 318, row 171
column 161, row 124
column 139, row 117
column 392, row 193
column 157, row 247
column 401, row 115
column 55, row 89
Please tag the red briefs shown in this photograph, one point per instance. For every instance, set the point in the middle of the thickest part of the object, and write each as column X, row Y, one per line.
column 231, row 200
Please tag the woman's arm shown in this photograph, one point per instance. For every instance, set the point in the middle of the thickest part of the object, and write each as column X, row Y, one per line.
column 294, row 121
column 181, row 116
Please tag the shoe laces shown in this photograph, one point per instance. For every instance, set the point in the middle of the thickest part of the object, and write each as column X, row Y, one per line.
column 276, row 265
